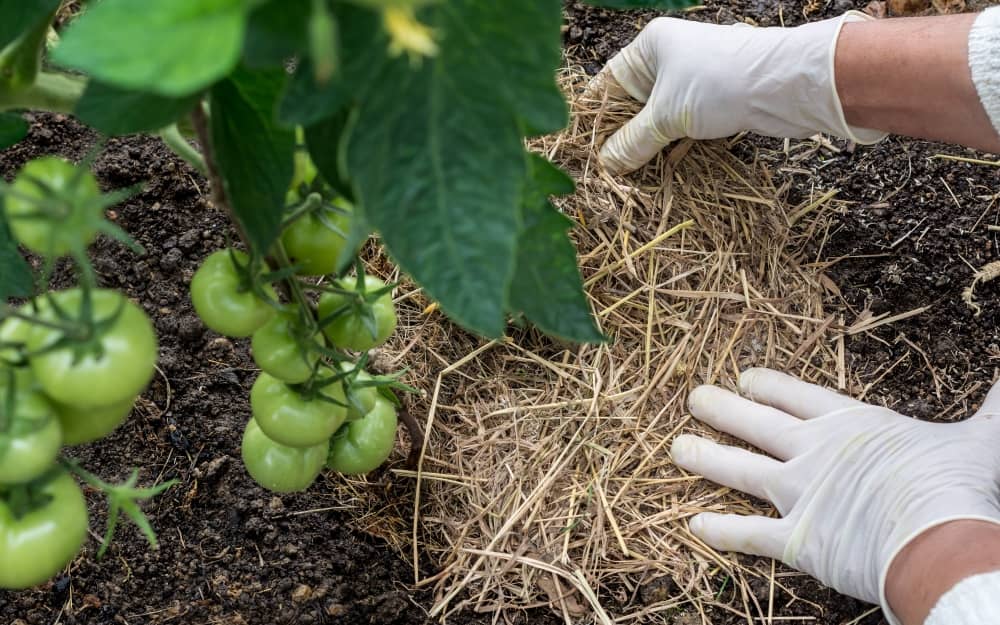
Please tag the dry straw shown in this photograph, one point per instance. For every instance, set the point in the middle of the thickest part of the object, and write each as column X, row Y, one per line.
column 546, row 478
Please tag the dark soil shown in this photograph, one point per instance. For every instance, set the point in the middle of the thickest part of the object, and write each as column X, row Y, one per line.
column 231, row 554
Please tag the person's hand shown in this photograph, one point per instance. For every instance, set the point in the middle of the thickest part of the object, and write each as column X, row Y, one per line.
column 707, row 81
column 854, row 483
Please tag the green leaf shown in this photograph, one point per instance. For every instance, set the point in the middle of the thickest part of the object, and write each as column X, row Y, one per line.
column 437, row 159
column 327, row 144
column 547, row 286
column 170, row 47
column 116, row 111
column 545, row 178
column 254, row 154
column 663, row 5
column 16, row 279
column 362, row 53
column 13, row 128
column 276, row 31
column 524, row 64
column 18, row 16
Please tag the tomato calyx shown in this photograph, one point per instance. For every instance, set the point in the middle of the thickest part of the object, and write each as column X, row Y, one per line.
column 312, row 204
column 359, row 301
column 313, row 388
column 69, row 207
column 82, row 333
column 123, row 498
column 23, row 499
column 252, row 275
column 356, row 381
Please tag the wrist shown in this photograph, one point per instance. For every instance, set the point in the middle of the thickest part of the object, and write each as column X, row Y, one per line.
column 937, row 559
column 801, row 99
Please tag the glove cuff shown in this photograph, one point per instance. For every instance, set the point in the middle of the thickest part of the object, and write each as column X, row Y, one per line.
column 863, row 136
column 887, row 611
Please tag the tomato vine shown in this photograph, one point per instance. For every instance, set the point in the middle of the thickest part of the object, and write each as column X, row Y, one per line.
column 318, row 124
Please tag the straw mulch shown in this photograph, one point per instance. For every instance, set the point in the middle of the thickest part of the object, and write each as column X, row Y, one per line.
column 546, row 478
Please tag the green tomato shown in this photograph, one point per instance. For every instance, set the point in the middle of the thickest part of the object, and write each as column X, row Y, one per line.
column 218, row 298
column 111, row 367
column 37, row 545
column 305, row 170
column 14, row 334
column 276, row 351
column 361, row 446
column 348, row 331
column 313, row 246
column 360, row 399
column 72, row 217
column 33, row 438
column 285, row 417
column 277, row 467
column 84, row 425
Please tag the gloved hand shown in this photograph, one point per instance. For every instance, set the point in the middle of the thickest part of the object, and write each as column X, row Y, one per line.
column 707, row 81
column 854, row 483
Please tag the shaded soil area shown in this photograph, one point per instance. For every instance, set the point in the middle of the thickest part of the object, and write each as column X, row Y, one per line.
column 914, row 230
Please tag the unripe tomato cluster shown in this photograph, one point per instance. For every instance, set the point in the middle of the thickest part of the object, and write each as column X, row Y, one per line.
column 72, row 363
column 313, row 405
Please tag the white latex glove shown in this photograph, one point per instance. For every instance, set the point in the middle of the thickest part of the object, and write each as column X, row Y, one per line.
column 707, row 81
column 854, row 483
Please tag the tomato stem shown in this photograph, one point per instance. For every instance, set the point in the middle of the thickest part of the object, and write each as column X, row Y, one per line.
column 51, row 91
column 21, row 60
column 66, row 327
column 7, row 408
column 200, row 122
column 312, row 203
column 295, row 291
column 172, row 136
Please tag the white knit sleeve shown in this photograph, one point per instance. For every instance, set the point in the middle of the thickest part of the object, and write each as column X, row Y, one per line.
column 984, row 61
column 973, row 601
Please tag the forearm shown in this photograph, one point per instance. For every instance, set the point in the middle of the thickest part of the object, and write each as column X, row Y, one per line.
column 911, row 76
column 931, row 564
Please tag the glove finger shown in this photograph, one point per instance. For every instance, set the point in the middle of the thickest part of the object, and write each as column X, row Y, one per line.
column 634, row 144
column 991, row 405
column 602, row 85
column 754, row 535
column 634, row 67
column 792, row 395
column 762, row 426
column 734, row 467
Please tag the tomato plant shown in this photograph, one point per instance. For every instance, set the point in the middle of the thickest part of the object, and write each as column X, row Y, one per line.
column 402, row 119
column 281, row 349
column 37, row 543
column 107, row 365
column 293, row 418
column 88, row 424
column 277, row 467
column 316, row 240
column 13, row 340
column 39, row 206
column 31, row 438
column 359, row 316
column 361, row 446
column 222, row 294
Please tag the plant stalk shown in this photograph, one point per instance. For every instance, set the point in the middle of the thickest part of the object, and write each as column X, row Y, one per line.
column 21, row 60
column 289, row 286
column 172, row 136
column 51, row 91
column 200, row 122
